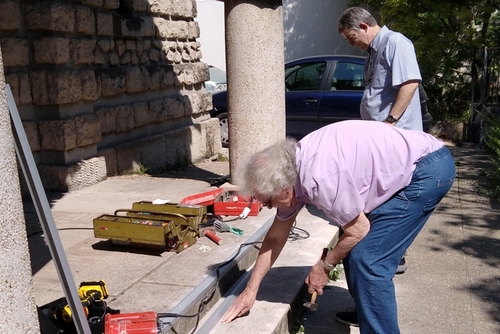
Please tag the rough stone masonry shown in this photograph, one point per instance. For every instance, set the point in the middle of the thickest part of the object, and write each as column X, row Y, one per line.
column 105, row 87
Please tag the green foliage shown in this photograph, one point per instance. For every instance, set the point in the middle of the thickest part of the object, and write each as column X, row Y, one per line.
column 298, row 327
column 492, row 142
column 182, row 162
column 448, row 36
column 143, row 170
column 222, row 157
column 335, row 273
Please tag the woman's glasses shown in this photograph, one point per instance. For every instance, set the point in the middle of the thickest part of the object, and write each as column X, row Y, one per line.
column 268, row 203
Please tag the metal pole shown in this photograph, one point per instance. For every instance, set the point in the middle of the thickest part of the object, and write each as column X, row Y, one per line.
column 485, row 76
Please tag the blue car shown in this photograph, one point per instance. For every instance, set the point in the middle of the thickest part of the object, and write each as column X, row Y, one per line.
column 319, row 90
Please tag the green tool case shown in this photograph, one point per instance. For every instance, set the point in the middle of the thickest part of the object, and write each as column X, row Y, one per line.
column 170, row 226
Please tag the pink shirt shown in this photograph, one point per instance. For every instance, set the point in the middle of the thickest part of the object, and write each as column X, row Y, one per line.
column 354, row 166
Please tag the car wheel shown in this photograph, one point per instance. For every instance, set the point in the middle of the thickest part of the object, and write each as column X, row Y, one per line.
column 224, row 130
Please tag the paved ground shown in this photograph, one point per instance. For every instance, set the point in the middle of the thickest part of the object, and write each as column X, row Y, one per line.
column 452, row 284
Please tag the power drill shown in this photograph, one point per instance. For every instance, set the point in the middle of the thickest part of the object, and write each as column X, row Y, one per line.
column 90, row 293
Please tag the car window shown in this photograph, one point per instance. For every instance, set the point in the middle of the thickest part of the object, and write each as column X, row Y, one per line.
column 305, row 76
column 216, row 74
column 217, row 81
column 348, row 76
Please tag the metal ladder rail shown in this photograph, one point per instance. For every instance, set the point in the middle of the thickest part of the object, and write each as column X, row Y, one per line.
column 217, row 314
column 49, row 227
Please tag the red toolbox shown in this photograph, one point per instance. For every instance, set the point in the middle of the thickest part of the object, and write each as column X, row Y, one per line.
column 233, row 205
column 224, row 202
column 206, row 198
column 131, row 323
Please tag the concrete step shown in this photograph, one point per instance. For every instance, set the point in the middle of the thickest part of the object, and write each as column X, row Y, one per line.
column 282, row 292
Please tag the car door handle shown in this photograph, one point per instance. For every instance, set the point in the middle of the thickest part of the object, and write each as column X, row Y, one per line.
column 311, row 100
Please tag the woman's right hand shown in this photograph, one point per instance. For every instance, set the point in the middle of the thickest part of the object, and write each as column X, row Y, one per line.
column 241, row 305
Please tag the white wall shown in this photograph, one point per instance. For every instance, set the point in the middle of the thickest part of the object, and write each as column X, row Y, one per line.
column 212, row 34
column 310, row 28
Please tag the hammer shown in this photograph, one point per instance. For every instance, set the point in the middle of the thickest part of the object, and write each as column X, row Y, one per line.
column 312, row 305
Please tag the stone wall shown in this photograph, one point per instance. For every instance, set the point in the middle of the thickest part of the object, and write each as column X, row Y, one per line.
column 112, row 84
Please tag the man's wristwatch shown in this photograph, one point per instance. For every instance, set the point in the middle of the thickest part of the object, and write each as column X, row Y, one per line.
column 391, row 119
column 328, row 267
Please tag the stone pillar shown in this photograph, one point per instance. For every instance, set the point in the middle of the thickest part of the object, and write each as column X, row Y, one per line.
column 17, row 298
column 255, row 76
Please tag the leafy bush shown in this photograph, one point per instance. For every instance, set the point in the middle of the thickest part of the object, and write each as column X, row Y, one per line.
column 491, row 130
column 335, row 273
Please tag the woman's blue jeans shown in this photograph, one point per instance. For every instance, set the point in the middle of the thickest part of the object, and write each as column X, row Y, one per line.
column 372, row 263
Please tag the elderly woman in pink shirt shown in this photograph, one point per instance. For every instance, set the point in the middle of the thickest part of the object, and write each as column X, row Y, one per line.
column 379, row 183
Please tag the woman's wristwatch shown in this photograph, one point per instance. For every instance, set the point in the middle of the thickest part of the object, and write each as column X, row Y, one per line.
column 328, row 267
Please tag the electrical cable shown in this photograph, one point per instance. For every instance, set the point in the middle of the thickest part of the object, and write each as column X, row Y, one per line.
column 301, row 235
column 60, row 229
column 96, row 319
column 231, row 220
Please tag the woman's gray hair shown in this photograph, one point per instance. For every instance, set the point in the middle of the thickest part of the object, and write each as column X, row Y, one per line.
column 353, row 17
column 271, row 170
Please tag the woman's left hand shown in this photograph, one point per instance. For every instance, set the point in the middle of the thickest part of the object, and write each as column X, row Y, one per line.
column 317, row 278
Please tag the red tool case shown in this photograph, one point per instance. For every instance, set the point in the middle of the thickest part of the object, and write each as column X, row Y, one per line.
column 225, row 202
column 206, row 198
column 131, row 323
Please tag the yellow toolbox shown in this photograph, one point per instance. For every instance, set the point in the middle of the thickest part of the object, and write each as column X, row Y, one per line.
column 167, row 229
